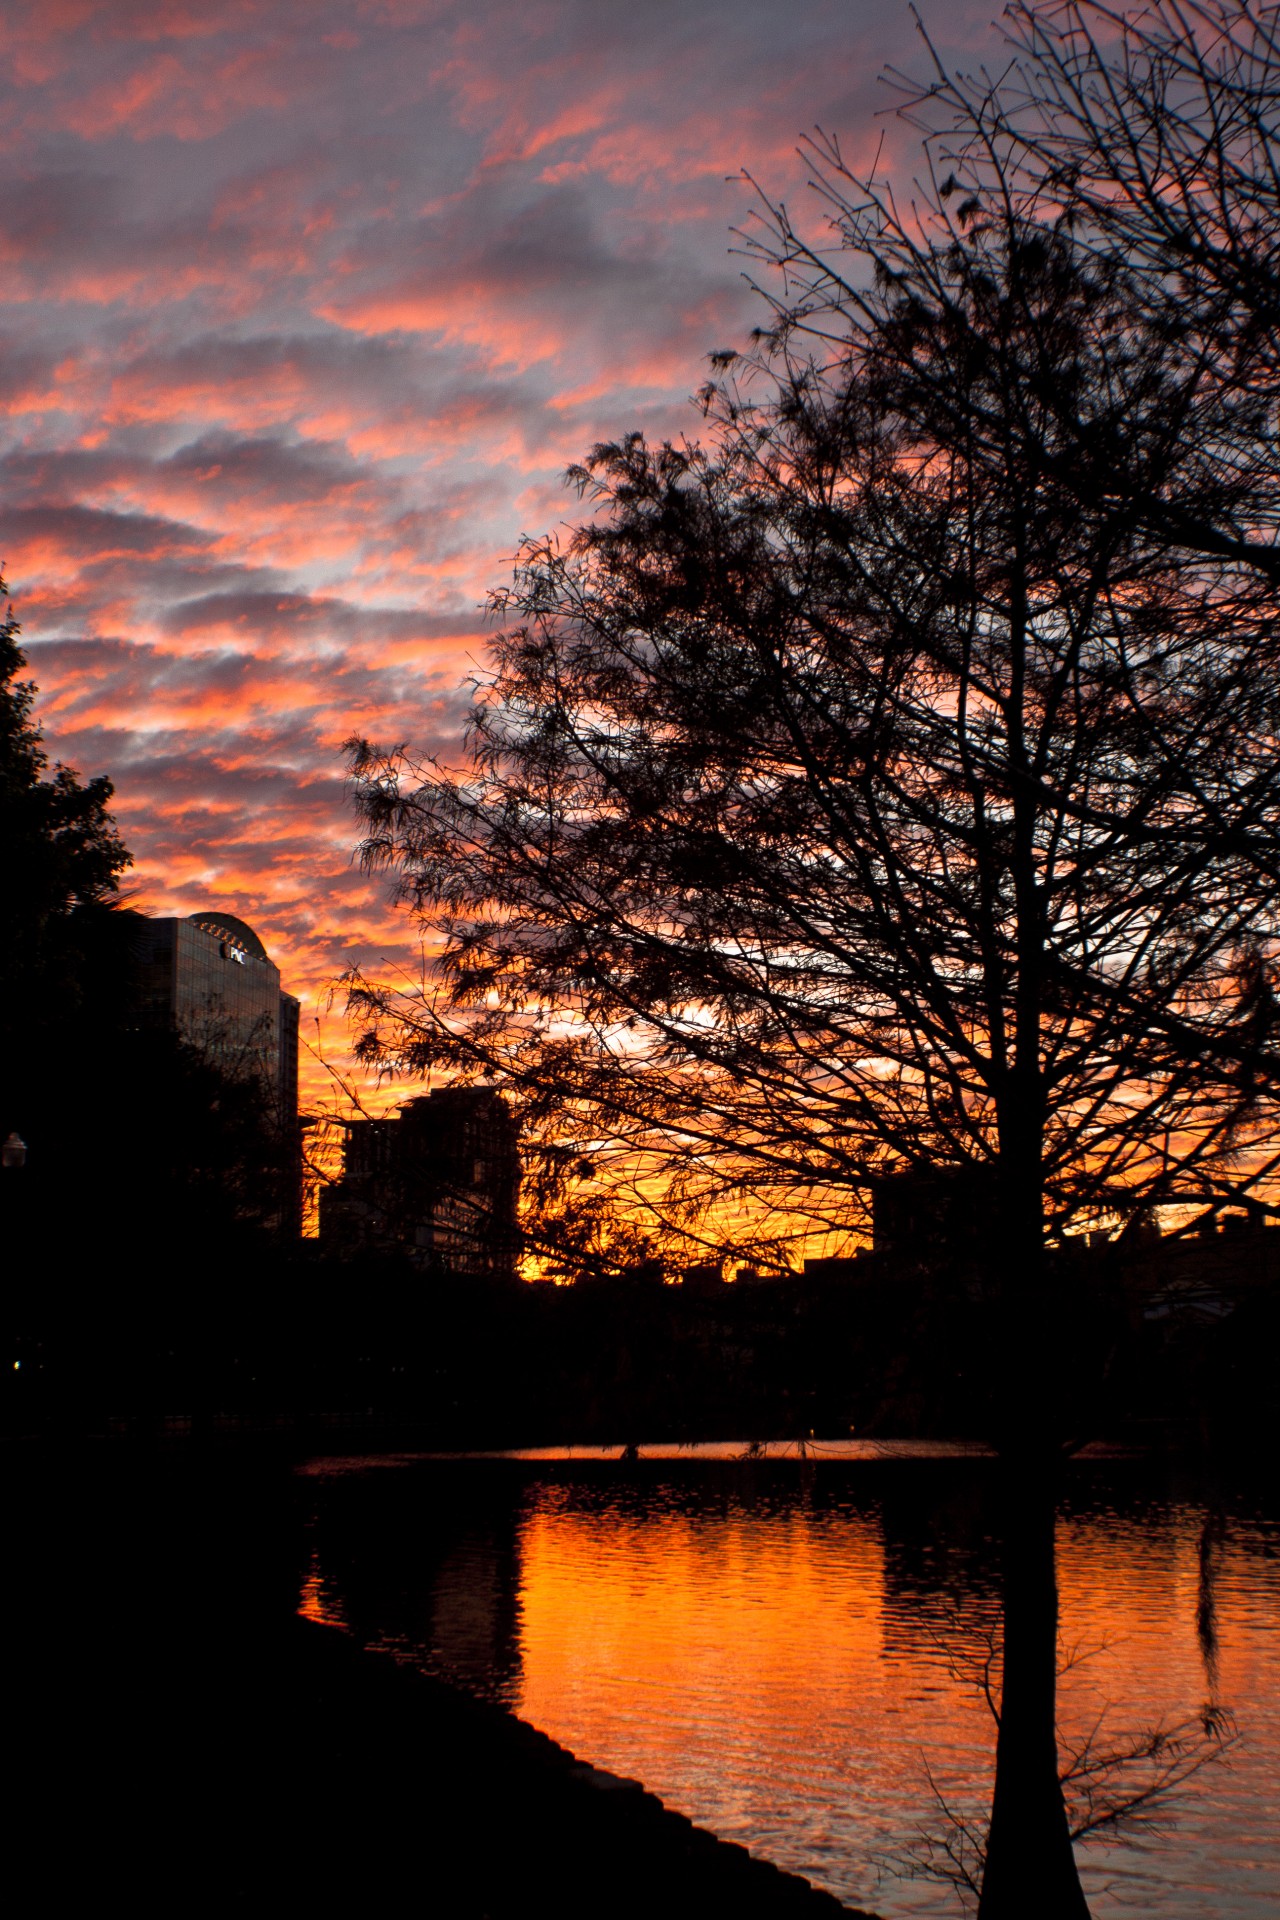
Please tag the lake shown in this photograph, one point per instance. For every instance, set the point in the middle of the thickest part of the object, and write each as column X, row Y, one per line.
column 790, row 1650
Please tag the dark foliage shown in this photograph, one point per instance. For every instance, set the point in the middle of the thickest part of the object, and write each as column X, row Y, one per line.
column 149, row 1174
column 63, row 854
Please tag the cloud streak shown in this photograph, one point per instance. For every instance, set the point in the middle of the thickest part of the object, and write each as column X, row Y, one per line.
column 304, row 309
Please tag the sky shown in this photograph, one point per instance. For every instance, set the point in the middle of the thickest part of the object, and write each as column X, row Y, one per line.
column 305, row 308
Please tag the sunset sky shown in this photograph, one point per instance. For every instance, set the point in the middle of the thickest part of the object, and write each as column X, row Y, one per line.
column 306, row 308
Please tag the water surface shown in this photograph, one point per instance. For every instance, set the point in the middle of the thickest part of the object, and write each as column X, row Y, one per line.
column 790, row 1651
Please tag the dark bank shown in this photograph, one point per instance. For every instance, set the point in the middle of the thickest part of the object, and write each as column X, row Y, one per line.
column 184, row 1742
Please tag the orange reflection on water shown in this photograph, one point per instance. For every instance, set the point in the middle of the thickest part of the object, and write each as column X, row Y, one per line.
column 316, row 1601
column 1134, row 1601
column 612, row 1591
column 789, row 1654
column 715, row 1657
column 786, row 1678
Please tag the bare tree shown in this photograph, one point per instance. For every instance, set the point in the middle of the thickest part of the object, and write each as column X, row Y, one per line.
column 1154, row 135
column 844, row 803
column 860, row 791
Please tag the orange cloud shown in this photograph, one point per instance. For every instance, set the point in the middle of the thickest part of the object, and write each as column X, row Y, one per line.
column 305, row 310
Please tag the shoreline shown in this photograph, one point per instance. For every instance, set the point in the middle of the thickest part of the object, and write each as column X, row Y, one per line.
column 185, row 1742
column 573, row 1838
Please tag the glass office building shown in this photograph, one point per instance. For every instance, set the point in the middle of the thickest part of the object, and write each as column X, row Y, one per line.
column 210, row 977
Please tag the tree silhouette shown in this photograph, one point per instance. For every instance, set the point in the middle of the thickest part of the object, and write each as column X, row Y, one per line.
column 1152, row 133
column 846, row 804
column 879, row 789
column 63, row 853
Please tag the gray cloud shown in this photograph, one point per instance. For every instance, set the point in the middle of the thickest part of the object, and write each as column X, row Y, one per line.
column 303, row 315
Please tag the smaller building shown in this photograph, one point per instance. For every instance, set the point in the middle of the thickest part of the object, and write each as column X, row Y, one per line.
column 837, row 1267
column 439, row 1181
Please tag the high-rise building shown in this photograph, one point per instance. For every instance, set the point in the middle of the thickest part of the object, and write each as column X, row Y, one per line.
column 210, row 979
column 439, row 1181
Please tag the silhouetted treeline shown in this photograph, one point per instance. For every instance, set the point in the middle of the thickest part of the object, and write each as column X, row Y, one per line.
column 257, row 1335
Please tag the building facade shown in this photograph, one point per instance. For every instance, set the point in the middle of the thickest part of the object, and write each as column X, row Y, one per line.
column 210, row 979
column 439, row 1181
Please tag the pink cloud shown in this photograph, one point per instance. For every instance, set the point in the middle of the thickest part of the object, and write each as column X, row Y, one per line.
column 305, row 309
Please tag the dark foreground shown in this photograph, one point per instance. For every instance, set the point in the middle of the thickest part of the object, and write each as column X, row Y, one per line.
column 183, row 1742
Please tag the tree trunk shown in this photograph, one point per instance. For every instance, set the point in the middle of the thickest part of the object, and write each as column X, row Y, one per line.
column 1030, row 1871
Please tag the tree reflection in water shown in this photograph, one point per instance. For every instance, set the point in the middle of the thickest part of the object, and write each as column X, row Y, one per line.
column 770, row 1645
column 1106, row 1784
